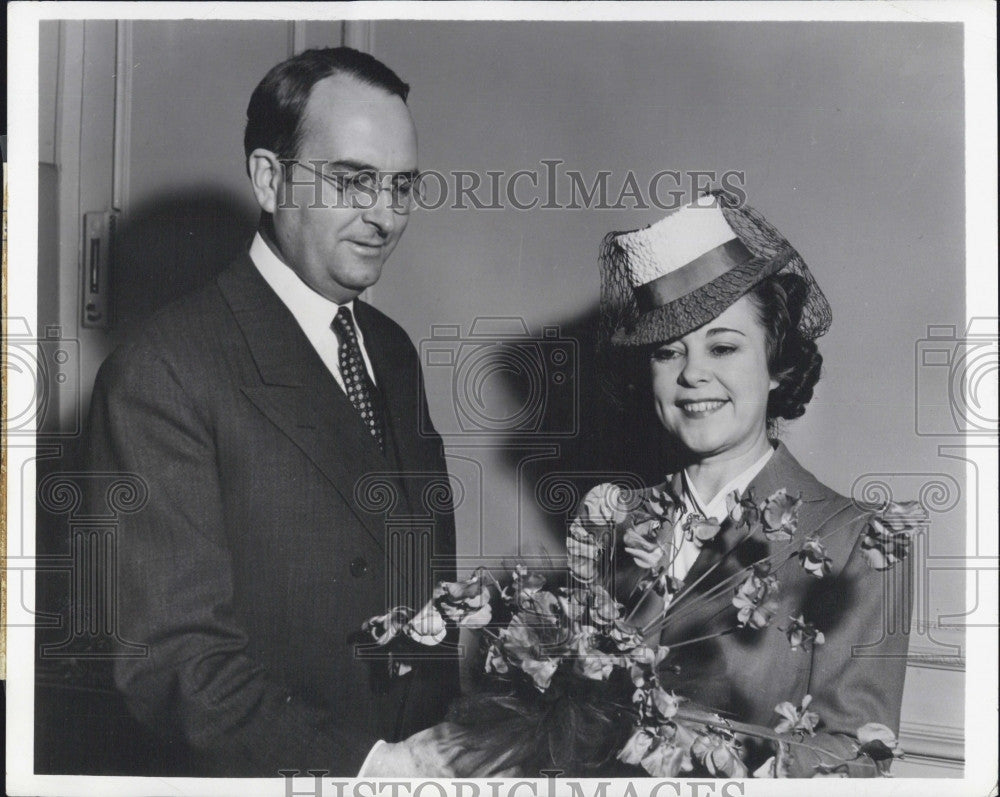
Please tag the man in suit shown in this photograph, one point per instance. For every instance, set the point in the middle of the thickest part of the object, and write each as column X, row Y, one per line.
column 262, row 414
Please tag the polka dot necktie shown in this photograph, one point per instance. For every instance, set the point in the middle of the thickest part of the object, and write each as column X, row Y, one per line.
column 357, row 383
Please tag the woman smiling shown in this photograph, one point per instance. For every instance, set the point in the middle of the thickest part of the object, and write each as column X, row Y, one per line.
column 724, row 314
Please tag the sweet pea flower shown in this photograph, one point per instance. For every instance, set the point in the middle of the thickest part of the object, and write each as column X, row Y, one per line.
column 803, row 634
column 877, row 732
column 540, row 671
column 666, row 704
column 590, row 662
column 903, row 515
column 523, row 646
column 663, row 753
column 523, row 584
column 719, row 754
column 753, row 599
column 583, row 556
column 796, row 719
column 757, row 616
column 655, row 704
column 879, row 743
column 660, row 504
column 384, row 627
column 604, row 609
column 495, row 661
column 573, row 603
column 623, row 636
column 889, row 533
column 734, row 509
column 646, row 656
column 545, row 607
column 813, row 557
column 882, row 546
column 592, row 528
column 465, row 602
column 602, row 507
column 700, row 530
column 645, row 537
column 660, row 582
column 779, row 514
column 645, row 665
column 637, row 746
column 743, row 511
column 642, row 530
column 427, row 627
column 667, row 760
column 527, row 582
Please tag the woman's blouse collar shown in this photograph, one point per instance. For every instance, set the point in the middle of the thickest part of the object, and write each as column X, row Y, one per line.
column 716, row 507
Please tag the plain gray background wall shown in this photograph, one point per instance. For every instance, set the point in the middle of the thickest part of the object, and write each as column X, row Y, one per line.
column 851, row 140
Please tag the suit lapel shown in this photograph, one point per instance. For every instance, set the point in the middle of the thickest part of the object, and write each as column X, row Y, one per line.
column 782, row 470
column 297, row 392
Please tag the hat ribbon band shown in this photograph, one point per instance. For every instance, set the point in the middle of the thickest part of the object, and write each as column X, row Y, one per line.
column 691, row 276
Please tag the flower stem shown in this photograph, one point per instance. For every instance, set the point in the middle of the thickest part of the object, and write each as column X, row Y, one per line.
column 789, row 551
column 721, row 559
column 707, row 718
column 726, row 583
column 490, row 634
column 702, row 638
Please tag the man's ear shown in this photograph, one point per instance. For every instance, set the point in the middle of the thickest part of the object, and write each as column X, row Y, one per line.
column 265, row 177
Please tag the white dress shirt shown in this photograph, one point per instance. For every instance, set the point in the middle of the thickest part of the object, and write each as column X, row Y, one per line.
column 687, row 550
column 313, row 312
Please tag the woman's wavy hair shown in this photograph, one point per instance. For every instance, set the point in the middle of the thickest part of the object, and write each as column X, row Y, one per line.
column 793, row 359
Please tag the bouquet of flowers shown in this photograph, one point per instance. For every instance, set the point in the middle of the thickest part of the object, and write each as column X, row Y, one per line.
column 574, row 678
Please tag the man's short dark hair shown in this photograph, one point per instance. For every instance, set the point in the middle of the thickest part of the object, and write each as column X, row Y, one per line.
column 277, row 106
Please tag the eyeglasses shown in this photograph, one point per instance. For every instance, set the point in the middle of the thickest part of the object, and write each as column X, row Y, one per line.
column 360, row 189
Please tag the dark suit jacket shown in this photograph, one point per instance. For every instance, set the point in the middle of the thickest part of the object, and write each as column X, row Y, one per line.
column 265, row 541
column 854, row 678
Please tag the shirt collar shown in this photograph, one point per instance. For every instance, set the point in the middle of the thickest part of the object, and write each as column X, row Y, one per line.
column 716, row 507
column 308, row 307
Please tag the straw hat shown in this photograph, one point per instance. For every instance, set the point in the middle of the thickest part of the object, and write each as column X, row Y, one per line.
column 665, row 280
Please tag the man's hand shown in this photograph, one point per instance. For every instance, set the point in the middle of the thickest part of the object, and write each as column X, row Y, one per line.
column 428, row 753
column 438, row 752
